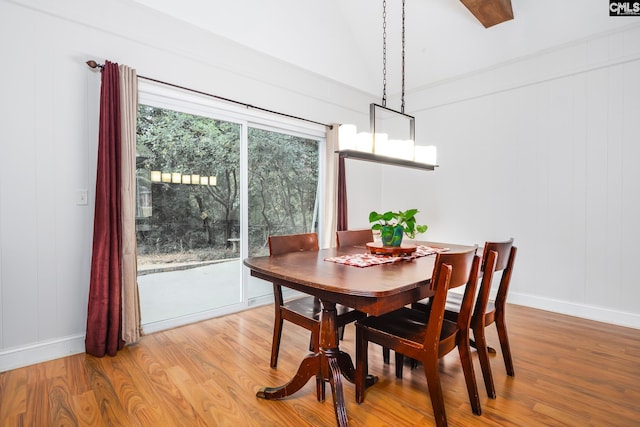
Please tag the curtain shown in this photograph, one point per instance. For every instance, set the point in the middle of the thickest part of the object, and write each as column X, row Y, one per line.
column 104, row 313
column 342, row 222
column 330, row 187
column 130, row 296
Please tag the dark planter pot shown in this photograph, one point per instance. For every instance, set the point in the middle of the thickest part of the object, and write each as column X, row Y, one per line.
column 391, row 235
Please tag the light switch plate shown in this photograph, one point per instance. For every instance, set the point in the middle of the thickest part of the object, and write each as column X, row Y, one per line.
column 82, row 197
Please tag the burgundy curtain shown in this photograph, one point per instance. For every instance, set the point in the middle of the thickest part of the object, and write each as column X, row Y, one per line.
column 341, row 221
column 104, row 325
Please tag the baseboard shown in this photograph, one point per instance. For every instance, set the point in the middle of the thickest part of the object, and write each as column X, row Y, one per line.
column 41, row 352
column 599, row 314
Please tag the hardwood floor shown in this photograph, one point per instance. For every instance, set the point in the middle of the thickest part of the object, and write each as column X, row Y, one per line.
column 569, row 372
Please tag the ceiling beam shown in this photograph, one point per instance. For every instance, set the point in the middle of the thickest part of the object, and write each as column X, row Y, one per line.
column 490, row 12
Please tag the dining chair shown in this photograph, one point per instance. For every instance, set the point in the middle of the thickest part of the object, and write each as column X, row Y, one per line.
column 427, row 337
column 354, row 237
column 485, row 311
column 303, row 311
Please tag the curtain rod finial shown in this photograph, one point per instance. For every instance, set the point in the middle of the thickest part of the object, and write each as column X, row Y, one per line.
column 93, row 64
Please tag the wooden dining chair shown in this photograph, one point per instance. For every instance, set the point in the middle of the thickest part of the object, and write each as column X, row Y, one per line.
column 427, row 337
column 354, row 237
column 486, row 312
column 494, row 311
column 303, row 311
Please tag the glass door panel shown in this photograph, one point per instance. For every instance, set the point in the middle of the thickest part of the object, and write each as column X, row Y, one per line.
column 282, row 193
column 188, row 214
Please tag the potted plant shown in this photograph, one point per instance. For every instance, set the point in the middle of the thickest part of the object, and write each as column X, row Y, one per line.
column 394, row 225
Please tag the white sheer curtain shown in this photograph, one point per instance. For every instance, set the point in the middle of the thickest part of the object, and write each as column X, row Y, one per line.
column 331, row 188
column 128, row 113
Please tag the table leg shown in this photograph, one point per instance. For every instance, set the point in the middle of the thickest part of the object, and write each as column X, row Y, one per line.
column 309, row 367
column 335, row 379
column 331, row 355
column 329, row 365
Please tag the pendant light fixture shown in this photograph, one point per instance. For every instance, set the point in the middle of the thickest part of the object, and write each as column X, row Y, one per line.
column 391, row 139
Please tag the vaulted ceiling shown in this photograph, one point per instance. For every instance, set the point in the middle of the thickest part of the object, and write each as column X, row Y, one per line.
column 342, row 39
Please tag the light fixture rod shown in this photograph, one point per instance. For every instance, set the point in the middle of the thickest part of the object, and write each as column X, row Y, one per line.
column 403, row 48
column 384, row 53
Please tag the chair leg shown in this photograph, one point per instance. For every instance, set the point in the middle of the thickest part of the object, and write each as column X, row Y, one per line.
column 504, row 343
column 431, row 371
column 315, row 340
column 341, row 332
column 312, row 341
column 483, row 355
column 275, row 346
column 399, row 364
column 314, row 346
column 320, row 388
column 469, row 376
column 362, row 365
column 386, row 355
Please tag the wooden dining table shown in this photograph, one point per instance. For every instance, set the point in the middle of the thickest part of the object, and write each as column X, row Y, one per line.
column 374, row 290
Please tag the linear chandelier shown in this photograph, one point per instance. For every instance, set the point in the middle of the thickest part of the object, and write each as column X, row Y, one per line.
column 391, row 139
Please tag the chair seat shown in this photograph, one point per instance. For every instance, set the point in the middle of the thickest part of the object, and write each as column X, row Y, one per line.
column 454, row 301
column 407, row 324
column 304, row 306
column 451, row 308
column 308, row 306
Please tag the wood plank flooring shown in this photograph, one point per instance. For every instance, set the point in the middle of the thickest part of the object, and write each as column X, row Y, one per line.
column 569, row 372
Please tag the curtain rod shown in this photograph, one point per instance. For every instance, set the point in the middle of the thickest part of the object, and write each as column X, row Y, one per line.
column 93, row 64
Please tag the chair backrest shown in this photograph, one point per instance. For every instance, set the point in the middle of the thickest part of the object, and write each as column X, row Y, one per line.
column 489, row 259
column 462, row 263
column 503, row 249
column 354, row 237
column 293, row 243
column 460, row 269
column 506, row 256
column 287, row 243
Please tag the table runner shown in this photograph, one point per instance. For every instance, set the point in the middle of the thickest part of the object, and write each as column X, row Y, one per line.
column 367, row 259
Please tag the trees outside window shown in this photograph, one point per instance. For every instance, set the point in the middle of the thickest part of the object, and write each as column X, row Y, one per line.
column 283, row 182
column 189, row 186
column 189, row 165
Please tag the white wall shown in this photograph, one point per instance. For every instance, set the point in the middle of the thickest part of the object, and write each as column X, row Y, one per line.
column 49, row 112
column 545, row 150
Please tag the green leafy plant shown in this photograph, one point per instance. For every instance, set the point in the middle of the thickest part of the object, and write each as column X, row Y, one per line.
column 405, row 219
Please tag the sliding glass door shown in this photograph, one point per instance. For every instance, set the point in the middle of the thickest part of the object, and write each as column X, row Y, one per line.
column 212, row 185
column 283, row 192
column 188, row 219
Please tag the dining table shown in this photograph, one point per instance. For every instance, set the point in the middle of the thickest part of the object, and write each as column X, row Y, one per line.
column 374, row 289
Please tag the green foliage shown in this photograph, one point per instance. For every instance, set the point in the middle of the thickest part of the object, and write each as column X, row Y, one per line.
column 406, row 219
column 283, row 180
column 282, row 185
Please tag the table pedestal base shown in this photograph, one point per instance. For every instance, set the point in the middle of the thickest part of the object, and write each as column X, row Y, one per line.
column 329, row 365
